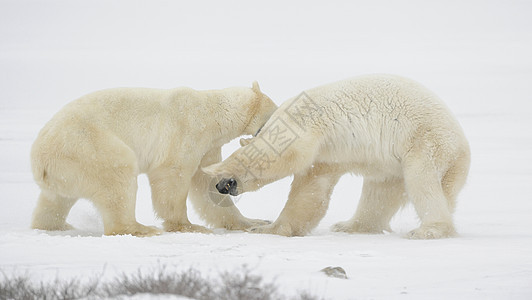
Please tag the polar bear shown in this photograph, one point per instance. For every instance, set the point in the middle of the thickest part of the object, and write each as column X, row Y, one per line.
column 391, row 130
column 96, row 146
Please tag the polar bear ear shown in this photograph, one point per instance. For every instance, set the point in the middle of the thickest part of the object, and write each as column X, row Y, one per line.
column 255, row 87
column 245, row 142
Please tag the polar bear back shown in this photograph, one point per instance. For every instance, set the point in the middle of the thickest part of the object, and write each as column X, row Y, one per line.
column 374, row 120
column 153, row 123
column 374, row 97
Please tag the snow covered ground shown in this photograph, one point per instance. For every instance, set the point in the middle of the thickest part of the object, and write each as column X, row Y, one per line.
column 474, row 54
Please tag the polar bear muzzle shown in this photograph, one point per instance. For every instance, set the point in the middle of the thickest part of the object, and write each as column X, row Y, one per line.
column 227, row 186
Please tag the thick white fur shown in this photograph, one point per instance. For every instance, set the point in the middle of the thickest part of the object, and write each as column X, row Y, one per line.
column 96, row 146
column 394, row 132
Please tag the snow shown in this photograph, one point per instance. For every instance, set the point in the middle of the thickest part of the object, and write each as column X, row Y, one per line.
column 474, row 54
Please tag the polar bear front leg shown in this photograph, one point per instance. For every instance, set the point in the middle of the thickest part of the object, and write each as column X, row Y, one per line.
column 307, row 203
column 379, row 202
column 423, row 185
column 216, row 209
column 169, row 189
column 115, row 199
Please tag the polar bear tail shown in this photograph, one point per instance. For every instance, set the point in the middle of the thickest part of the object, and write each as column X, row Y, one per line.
column 39, row 166
column 39, row 173
column 455, row 178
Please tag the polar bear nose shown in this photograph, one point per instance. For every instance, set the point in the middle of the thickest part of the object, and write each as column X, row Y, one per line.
column 227, row 186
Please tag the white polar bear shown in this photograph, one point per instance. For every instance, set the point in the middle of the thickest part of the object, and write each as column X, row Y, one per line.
column 96, row 146
column 394, row 132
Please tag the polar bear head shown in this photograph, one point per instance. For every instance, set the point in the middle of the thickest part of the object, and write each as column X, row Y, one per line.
column 264, row 158
column 260, row 110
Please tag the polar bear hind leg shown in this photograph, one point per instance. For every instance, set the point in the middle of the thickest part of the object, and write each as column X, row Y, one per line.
column 379, row 202
column 51, row 212
column 107, row 177
column 424, row 188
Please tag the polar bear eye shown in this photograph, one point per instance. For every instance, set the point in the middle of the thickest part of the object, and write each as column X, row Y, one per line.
column 257, row 132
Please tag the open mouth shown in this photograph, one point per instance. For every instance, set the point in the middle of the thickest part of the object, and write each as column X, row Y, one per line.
column 227, row 186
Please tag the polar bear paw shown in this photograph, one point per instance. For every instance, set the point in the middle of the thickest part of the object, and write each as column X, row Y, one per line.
column 173, row 227
column 66, row 227
column 433, row 231
column 358, row 227
column 52, row 226
column 245, row 224
column 278, row 229
column 136, row 230
column 344, row 226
